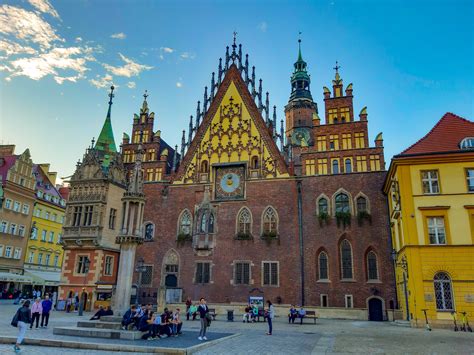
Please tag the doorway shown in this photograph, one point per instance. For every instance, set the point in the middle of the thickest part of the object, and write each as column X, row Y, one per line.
column 375, row 310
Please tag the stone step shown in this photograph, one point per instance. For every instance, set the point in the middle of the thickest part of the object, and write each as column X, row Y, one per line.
column 98, row 333
column 100, row 325
column 112, row 319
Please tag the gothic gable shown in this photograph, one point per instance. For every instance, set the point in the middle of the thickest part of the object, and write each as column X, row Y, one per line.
column 233, row 131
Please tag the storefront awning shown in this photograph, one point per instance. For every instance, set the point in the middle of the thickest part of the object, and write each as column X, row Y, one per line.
column 46, row 278
column 11, row 277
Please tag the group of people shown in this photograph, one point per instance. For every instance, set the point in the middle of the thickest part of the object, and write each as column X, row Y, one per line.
column 295, row 313
column 252, row 312
column 25, row 315
column 154, row 324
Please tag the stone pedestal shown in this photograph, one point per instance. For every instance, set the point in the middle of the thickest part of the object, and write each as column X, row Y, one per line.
column 125, row 276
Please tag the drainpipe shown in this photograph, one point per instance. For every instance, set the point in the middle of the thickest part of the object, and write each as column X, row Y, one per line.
column 300, row 236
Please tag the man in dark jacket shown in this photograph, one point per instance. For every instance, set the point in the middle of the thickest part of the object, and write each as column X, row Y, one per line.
column 128, row 317
column 47, row 305
column 24, row 318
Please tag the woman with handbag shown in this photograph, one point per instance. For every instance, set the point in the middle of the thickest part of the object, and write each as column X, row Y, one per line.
column 203, row 312
column 270, row 316
column 21, row 320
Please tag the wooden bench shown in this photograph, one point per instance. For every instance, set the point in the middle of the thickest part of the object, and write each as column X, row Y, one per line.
column 212, row 312
column 311, row 315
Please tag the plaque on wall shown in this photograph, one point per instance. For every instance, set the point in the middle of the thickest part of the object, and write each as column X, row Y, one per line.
column 230, row 182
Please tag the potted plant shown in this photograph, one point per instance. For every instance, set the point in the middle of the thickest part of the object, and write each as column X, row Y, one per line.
column 343, row 218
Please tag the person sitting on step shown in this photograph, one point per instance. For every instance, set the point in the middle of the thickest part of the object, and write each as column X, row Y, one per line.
column 127, row 318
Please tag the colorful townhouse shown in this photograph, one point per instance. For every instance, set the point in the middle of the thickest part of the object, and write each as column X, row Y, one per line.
column 18, row 186
column 44, row 252
column 430, row 188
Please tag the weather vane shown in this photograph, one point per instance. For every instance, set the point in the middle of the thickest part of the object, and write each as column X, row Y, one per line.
column 111, row 95
column 337, row 67
column 145, row 95
column 299, row 36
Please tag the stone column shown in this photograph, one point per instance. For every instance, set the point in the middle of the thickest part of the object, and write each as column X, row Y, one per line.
column 125, row 277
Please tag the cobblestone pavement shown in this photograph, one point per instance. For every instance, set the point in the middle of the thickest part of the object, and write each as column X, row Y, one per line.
column 327, row 336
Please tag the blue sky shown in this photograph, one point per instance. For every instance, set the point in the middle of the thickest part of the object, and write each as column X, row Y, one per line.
column 410, row 62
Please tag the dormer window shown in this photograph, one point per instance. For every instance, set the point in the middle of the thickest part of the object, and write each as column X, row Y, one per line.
column 467, row 143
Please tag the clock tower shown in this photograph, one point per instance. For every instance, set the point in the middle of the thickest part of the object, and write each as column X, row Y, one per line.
column 301, row 110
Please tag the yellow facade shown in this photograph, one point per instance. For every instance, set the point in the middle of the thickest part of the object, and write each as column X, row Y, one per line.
column 232, row 138
column 433, row 235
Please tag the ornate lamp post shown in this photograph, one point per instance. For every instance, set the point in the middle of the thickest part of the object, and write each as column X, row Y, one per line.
column 403, row 264
column 82, row 297
column 140, row 268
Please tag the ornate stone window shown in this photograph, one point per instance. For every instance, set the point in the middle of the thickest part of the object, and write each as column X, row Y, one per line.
column 207, row 222
column 270, row 221
column 323, row 273
column 346, row 260
column 342, row 203
column 323, row 206
column 443, row 292
column 149, row 231
column 244, row 222
column 185, row 223
column 372, row 270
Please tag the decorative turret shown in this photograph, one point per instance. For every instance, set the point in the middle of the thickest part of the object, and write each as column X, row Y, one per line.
column 339, row 108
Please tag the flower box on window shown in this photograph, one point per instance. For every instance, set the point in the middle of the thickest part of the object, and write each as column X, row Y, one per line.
column 343, row 218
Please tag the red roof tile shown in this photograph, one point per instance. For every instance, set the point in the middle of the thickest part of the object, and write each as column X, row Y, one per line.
column 445, row 136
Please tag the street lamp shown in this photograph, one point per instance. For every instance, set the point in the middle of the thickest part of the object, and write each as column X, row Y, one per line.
column 403, row 264
column 82, row 298
column 140, row 268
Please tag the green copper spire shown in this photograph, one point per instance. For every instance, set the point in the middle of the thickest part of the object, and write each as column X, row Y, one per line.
column 300, row 79
column 106, row 141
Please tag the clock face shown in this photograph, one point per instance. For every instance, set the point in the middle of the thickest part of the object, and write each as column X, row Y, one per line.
column 301, row 137
column 230, row 182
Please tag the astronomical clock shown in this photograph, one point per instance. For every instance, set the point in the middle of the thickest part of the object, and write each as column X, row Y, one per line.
column 230, row 182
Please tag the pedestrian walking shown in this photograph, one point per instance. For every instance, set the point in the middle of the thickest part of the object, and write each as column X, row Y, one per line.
column 203, row 312
column 46, row 305
column 270, row 316
column 21, row 320
column 36, row 311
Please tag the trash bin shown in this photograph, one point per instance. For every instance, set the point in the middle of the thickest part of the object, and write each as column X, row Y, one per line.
column 230, row 315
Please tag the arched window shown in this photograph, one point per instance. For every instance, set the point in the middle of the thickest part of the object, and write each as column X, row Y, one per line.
column 269, row 221
column 348, row 166
column 149, row 231
column 323, row 266
column 244, row 220
column 443, row 292
column 254, row 162
column 210, row 224
column 361, row 204
column 342, row 203
column 323, row 206
column 335, row 167
column 204, row 166
column 185, row 223
column 372, row 271
column 346, row 260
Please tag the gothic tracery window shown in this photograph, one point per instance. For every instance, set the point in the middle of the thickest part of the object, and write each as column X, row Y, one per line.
column 372, row 271
column 269, row 221
column 185, row 223
column 323, row 266
column 346, row 260
column 244, row 220
column 361, row 204
column 323, row 206
column 342, row 203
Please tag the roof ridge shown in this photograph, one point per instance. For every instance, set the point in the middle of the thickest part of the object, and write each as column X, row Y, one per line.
column 446, row 116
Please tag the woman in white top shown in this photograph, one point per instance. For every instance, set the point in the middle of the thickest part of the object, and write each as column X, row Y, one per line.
column 270, row 316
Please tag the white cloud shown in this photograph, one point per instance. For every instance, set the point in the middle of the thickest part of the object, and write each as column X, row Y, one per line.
column 131, row 85
column 130, row 69
column 44, row 6
column 27, row 26
column 78, row 39
column 179, row 84
column 71, row 59
column 119, row 35
column 262, row 26
column 167, row 49
column 162, row 57
column 187, row 55
column 102, row 82
column 12, row 48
